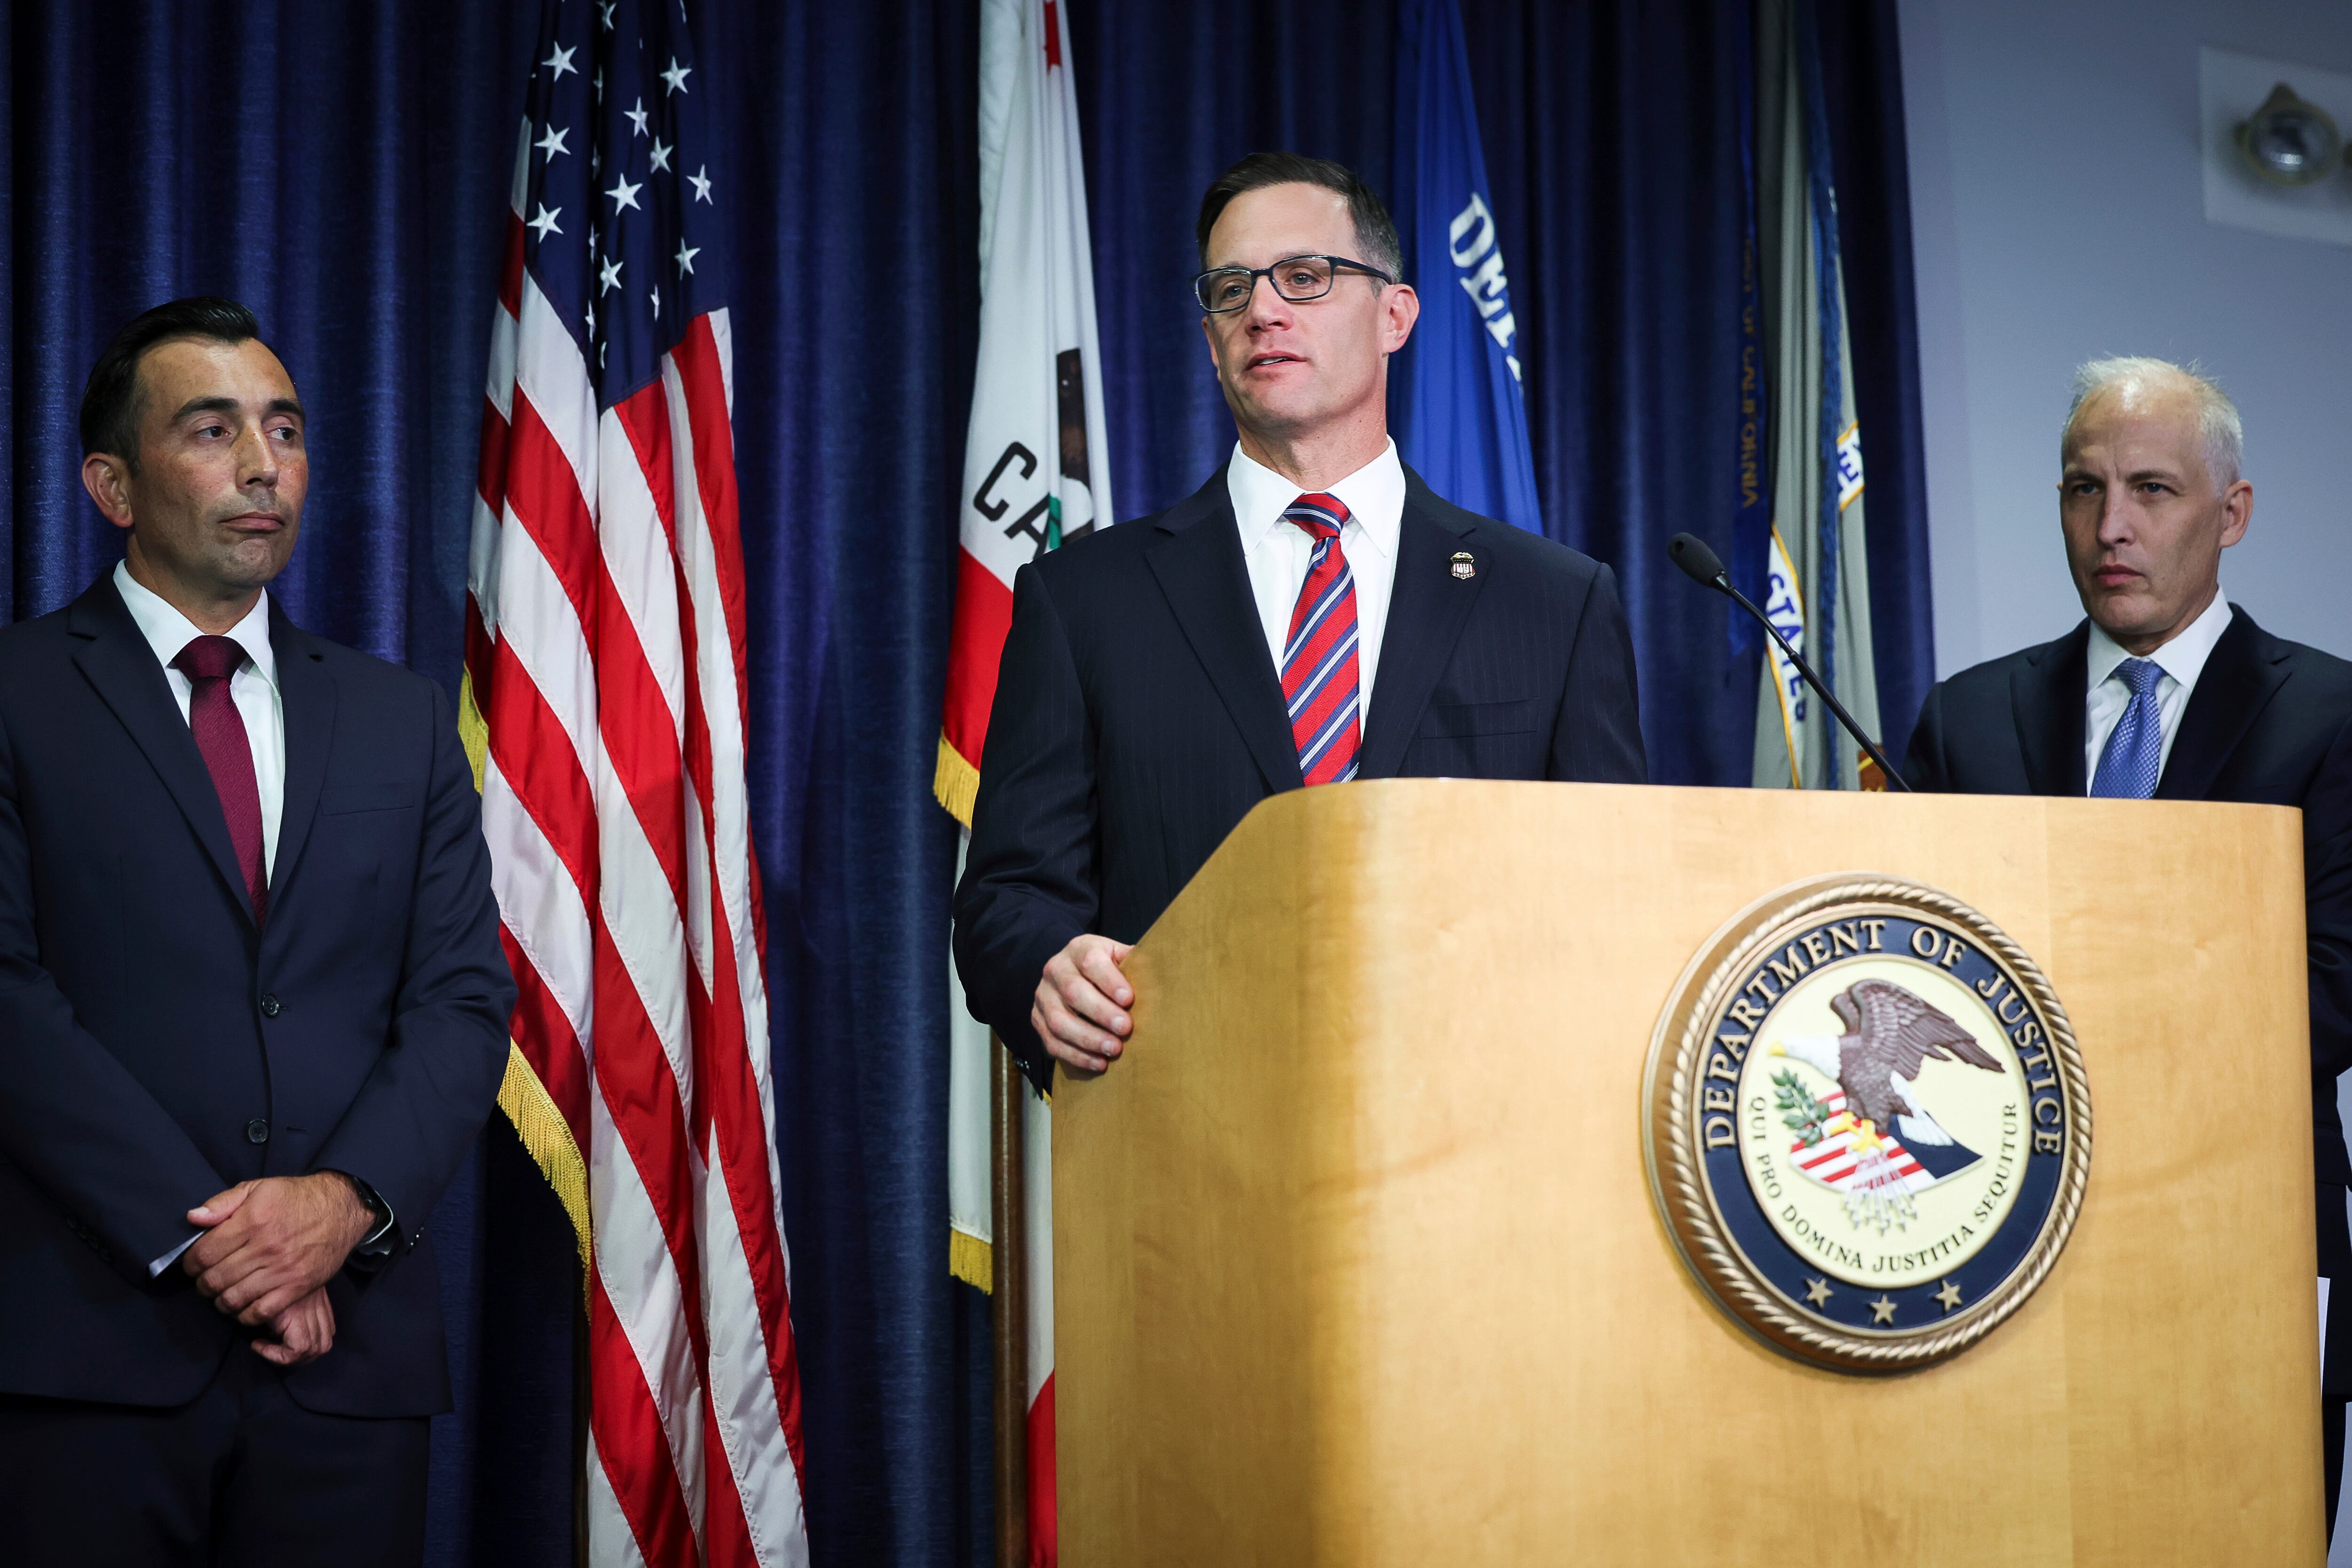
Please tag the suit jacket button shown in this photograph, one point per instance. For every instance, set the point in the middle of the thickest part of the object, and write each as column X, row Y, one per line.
column 269, row 1009
column 257, row 1131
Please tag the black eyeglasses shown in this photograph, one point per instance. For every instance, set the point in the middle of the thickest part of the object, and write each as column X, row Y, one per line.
column 1297, row 278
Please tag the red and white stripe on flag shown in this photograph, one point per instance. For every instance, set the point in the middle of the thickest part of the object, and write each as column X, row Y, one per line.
column 606, row 670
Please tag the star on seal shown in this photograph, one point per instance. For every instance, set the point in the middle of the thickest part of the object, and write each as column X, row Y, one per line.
column 1883, row 1310
column 1949, row 1296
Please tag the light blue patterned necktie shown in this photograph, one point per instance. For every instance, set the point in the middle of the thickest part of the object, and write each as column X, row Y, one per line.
column 2135, row 754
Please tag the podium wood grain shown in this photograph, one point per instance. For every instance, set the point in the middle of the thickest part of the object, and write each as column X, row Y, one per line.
column 1356, row 1261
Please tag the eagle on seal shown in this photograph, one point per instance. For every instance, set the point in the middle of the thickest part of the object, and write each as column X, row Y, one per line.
column 1889, row 1034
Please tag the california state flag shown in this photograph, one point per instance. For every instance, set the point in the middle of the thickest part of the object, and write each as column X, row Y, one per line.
column 1035, row 475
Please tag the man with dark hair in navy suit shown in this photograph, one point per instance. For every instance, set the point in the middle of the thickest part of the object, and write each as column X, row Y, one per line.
column 252, row 1012
column 2166, row 691
column 1312, row 614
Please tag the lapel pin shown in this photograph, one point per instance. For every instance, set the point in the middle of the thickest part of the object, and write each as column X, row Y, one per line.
column 1466, row 566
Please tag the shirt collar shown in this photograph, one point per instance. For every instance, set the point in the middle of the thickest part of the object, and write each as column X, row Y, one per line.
column 167, row 631
column 2182, row 658
column 1373, row 495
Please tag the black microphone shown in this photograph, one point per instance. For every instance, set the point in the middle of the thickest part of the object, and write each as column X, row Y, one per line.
column 1702, row 565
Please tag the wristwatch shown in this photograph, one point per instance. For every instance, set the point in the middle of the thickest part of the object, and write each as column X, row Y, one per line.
column 378, row 1241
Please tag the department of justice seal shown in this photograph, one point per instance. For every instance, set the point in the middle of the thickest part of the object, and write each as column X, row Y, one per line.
column 1866, row 1122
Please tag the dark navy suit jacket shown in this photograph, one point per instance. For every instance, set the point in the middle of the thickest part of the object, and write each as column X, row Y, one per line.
column 2269, row 723
column 155, row 1046
column 1138, row 716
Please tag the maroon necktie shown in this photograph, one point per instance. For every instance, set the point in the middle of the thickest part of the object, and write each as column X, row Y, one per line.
column 209, row 662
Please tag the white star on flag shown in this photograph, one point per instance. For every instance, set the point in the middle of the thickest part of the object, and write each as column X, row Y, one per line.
column 700, row 181
column 561, row 61
column 605, row 9
column 624, row 192
column 609, row 277
column 677, row 74
column 545, row 222
column 637, row 117
column 551, row 144
column 661, row 155
column 686, row 254
column 657, row 304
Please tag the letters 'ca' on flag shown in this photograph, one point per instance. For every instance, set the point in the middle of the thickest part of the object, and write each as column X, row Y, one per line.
column 1036, row 474
column 1034, row 470
column 1465, row 424
column 605, row 707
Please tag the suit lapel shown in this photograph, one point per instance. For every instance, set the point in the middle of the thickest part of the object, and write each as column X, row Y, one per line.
column 306, row 693
column 115, row 658
column 1200, row 570
column 2244, row 671
column 1428, row 606
column 2047, row 697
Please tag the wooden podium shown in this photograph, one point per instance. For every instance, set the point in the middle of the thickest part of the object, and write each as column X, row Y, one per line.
column 1355, row 1259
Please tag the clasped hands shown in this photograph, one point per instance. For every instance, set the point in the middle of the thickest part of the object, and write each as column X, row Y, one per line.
column 270, row 1247
column 1080, row 1010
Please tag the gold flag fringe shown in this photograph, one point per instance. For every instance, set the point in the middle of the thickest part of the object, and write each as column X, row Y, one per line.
column 956, row 782
column 545, row 1135
column 473, row 730
column 971, row 1259
column 547, row 1138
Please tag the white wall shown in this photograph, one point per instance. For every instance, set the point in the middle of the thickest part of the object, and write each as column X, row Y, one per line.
column 2057, row 212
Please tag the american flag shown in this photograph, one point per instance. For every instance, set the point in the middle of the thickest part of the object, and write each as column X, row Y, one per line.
column 1830, row 1159
column 606, row 687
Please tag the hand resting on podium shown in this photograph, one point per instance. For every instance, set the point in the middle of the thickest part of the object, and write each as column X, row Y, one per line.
column 1080, row 1011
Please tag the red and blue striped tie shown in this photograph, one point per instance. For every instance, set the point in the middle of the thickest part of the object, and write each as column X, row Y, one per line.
column 1318, row 658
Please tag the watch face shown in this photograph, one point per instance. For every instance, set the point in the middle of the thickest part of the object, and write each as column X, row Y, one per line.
column 379, row 1212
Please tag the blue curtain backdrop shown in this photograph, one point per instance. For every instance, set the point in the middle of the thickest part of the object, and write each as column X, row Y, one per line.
column 343, row 169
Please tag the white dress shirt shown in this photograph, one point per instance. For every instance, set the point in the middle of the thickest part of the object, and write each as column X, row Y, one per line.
column 254, row 688
column 1279, row 553
column 2182, row 659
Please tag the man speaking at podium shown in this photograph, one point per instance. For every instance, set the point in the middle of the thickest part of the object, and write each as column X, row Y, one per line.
column 1312, row 614
column 2168, row 691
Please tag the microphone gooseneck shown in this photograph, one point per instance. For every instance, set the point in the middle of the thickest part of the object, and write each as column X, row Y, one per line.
column 1702, row 565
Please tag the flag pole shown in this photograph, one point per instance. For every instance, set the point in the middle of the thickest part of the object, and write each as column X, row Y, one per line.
column 1009, row 1304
